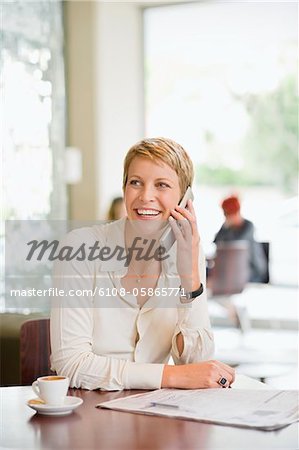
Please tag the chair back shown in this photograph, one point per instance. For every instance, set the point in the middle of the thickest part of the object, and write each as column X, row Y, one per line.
column 34, row 350
column 231, row 268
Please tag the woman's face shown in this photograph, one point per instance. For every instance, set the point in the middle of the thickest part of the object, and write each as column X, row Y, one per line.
column 152, row 190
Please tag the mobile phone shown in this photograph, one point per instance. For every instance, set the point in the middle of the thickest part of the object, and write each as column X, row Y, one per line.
column 168, row 238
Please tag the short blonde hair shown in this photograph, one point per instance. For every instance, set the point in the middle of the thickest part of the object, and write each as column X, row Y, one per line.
column 164, row 150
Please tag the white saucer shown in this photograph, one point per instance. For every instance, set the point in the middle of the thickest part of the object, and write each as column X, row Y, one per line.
column 69, row 405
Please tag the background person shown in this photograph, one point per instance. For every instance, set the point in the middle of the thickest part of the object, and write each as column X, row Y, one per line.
column 237, row 228
column 123, row 339
column 117, row 209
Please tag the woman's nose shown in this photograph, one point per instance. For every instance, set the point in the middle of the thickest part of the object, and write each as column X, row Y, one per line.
column 147, row 194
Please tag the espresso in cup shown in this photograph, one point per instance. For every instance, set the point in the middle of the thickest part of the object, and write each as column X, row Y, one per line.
column 51, row 389
column 53, row 378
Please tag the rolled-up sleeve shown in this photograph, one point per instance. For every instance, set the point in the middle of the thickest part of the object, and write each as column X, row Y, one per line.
column 194, row 324
column 72, row 356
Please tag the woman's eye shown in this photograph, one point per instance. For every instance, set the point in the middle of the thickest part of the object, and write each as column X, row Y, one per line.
column 135, row 182
column 163, row 185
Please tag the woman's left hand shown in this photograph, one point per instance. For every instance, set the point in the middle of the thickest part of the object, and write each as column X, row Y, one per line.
column 184, row 226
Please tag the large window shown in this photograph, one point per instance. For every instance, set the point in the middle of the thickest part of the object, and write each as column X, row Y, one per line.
column 32, row 112
column 221, row 79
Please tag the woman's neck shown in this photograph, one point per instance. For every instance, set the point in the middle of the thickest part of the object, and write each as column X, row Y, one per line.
column 140, row 246
column 144, row 236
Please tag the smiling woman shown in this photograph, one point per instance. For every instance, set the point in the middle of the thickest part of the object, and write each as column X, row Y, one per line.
column 124, row 338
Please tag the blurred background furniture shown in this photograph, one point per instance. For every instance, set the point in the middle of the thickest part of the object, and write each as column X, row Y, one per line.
column 249, row 308
column 229, row 272
column 228, row 275
column 34, row 350
column 10, row 326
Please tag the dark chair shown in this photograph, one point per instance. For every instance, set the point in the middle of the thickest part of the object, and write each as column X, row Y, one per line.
column 228, row 276
column 230, row 272
column 34, row 350
column 266, row 250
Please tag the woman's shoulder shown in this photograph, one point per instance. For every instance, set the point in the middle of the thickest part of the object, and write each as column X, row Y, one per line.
column 96, row 232
column 86, row 234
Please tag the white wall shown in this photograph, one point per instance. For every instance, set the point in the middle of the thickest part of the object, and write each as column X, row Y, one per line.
column 119, row 93
column 104, row 73
column 104, row 66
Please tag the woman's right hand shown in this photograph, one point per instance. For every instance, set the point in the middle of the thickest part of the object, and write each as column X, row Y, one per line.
column 201, row 375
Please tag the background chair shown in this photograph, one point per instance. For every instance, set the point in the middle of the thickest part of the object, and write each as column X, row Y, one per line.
column 34, row 350
column 228, row 276
column 230, row 272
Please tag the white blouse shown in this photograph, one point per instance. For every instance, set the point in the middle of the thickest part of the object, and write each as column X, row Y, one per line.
column 101, row 338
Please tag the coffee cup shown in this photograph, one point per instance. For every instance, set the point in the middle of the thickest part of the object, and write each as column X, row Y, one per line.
column 51, row 389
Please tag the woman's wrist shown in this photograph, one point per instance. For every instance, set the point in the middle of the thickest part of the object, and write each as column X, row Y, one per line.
column 169, row 376
column 196, row 283
column 190, row 285
column 176, row 377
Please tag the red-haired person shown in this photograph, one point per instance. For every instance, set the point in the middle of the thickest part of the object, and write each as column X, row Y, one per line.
column 235, row 228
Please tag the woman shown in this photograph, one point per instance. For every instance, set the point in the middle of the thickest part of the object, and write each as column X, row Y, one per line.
column 121, row 336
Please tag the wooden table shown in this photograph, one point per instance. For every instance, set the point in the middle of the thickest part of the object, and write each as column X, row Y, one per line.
column 91, row 428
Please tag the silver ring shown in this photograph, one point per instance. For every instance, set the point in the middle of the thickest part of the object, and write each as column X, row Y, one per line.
column 222, row 381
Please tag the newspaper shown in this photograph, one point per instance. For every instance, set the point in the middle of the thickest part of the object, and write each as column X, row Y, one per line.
column 265, row 409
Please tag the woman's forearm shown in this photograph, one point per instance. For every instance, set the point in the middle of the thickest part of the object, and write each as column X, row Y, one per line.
column 201, row 375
